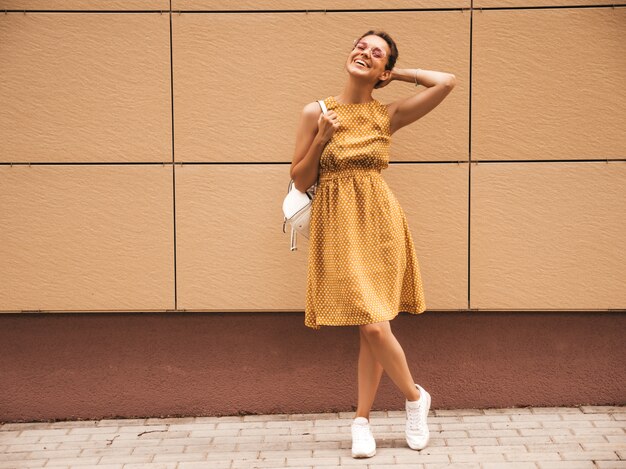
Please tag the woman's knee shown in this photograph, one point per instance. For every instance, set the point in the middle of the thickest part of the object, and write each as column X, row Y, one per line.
column 375, row 331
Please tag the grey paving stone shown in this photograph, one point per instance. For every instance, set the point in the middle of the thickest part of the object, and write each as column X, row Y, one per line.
column 525, row 440
column 545, row 431
column 598, row 431
column 450, row 449
column 556, row 410
column 99, row 466
column 488, row 418
column 599, row 409
column 288, row 453
column 480, row 458
column 317, row 416
column 583, row 455
column 266, row 445
column 167, row 420
column 471, row 441
column 45, row 432
column 516, row 438
column 158, row 449
column 395, row 466
column 314, row 445
column 27, row 426
column 532, row 456
column 24, row 440
column 610, row 464
column 457, row 412
column 178, row 457
column 458, row 465
column 242, row 464
column 510, row 410
column 333, row 461
column 117, row 422
column 267, row 418
column 226, row 418
column 609, row 423
column 566, row 465
column 151, row 465
column 492, row 432
column 18, row 448
column 23, row 463
column 516, row 425
column 537, row 417
column 509, row 465
column 466, row 426
column 383, row 456
column 86, row 461
column 501, row 449
column 126, row 459
column 546, row 448
column 203, row 465
column 418, row 457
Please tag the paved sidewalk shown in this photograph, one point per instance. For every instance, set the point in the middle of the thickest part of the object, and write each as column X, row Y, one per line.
column 517, row 438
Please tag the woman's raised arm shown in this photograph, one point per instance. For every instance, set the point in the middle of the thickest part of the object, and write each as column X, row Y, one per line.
column 314, row 131
column 407, row 110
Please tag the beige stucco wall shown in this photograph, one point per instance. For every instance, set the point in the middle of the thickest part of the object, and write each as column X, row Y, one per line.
column 144, row 153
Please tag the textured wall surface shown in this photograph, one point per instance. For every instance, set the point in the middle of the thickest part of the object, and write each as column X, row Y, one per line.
column 67, row 366
column 145, row 153
column 135, row 140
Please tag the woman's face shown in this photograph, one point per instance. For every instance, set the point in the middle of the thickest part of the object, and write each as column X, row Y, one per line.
column 369, row 57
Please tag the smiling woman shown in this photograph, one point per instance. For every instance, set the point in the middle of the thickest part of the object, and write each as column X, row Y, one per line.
column 377, row 52
column 362, row 265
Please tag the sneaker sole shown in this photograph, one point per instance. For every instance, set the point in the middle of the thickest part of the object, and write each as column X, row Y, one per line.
column 368, row 455
column 427, row 439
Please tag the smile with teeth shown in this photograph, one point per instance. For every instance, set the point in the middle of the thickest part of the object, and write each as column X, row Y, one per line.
column 361, row 62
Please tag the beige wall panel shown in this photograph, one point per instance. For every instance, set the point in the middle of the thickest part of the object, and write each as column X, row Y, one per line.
column 84, row 5
column 234, row 257
column 231, row 253
column 534, row 3
column 316, row 5
column 239, row 98
column 548, row 236
column 85, row 87
column 434, row 200
column 549, row 84
column 88, row 237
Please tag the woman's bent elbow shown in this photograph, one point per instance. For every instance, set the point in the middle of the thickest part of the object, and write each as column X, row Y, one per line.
column 301, row 185
column 296, row 184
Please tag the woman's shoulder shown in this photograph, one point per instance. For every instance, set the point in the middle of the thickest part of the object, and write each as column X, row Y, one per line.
column 315, row 108
column 312, row 109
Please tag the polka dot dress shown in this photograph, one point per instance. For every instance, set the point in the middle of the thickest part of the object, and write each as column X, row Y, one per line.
column 362, row 266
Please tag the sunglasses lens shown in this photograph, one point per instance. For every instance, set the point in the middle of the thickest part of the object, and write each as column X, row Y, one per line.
column 376, row 51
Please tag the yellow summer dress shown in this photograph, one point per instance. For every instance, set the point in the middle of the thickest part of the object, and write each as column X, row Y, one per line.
column 362, row 267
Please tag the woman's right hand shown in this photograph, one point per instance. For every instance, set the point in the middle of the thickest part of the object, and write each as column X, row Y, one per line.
column 327, row 124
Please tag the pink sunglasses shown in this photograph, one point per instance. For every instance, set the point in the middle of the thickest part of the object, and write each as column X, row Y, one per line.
column 377, row 52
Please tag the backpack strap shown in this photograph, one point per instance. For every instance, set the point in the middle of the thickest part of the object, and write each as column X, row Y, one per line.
column 323, row 106
column 294, row 235
column 293, row 245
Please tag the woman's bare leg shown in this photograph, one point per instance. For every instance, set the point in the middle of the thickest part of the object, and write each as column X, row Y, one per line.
column 370, row 372
column 388, row 352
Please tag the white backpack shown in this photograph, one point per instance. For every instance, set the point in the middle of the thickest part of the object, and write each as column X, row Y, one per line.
column 297, row 206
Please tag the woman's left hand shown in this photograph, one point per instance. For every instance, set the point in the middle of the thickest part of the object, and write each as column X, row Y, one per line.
column 385, row 82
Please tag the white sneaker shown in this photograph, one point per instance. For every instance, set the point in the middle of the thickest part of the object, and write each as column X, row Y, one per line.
column 363, row 443
column 417, row 434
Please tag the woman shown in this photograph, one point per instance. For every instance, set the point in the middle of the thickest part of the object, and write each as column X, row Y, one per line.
column 362, row 267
